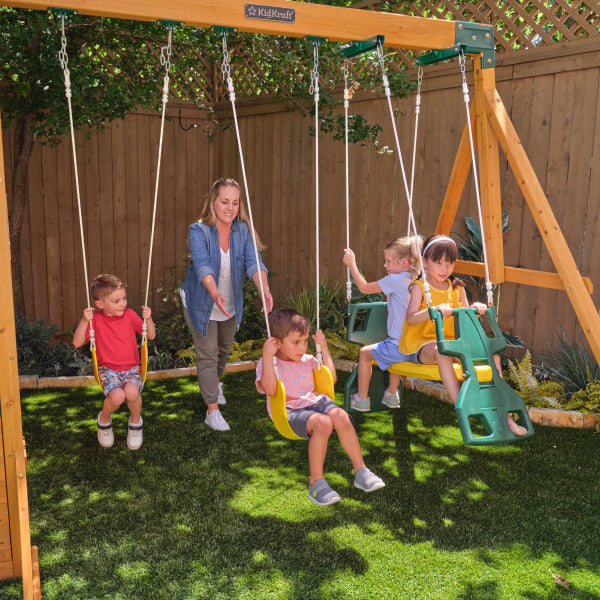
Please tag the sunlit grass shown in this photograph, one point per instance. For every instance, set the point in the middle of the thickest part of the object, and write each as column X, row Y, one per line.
column 196, row 514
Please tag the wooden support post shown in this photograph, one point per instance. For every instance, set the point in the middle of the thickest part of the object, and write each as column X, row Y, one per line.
column 545, row 220
column 489, row 175
column 10, row 407
column 458, row 179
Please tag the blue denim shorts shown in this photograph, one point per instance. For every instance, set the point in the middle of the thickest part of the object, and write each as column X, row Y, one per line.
column 111, row 380
column 298, row 417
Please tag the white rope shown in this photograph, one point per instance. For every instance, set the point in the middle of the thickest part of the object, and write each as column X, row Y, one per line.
column 314, row 90
column 411, row 216
column 226, row 72
column 165, row 60
column 63, row 58
column 415, row 137
column 465, row 89
column 347, row 161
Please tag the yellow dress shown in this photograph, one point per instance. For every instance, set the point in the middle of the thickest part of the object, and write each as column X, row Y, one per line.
column 414, row 337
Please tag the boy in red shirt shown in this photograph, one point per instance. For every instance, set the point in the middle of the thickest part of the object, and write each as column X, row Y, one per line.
column 115, row 327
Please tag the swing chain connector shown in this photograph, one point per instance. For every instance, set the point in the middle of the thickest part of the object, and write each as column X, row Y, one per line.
column 166, row 51
column 226, row 68
column 63, row 56
column 314, row 74
column 346, row 90
column 384, row 77
column 465, row 87
column 418, row 96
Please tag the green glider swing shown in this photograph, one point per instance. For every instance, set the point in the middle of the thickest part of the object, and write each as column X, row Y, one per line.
column 484, row 396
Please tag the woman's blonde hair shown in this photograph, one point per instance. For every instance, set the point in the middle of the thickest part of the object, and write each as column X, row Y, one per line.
column 408, row 247
column 208, row 217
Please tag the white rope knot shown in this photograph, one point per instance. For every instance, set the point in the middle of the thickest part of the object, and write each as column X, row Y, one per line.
column 427, row 292
column 348, row 291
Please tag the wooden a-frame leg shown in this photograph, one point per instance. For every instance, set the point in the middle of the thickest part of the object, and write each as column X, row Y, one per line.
column 545, row 220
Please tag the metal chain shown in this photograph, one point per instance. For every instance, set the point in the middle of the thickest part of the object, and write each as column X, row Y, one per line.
column 314, row 74
column 225, row 66
column 165, row 52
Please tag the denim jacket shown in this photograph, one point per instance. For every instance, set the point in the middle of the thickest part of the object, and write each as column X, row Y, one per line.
column 206, row 260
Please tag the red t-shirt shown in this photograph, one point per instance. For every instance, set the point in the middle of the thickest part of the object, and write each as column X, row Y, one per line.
column 116, row 344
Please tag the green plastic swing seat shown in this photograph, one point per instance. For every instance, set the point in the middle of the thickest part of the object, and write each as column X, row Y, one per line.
column 486, row 398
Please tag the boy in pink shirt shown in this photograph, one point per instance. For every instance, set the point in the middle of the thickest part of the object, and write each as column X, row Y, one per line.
column 310, row 416
column 116, row 326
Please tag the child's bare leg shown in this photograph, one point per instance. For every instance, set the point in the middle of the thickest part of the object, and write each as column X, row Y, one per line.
column 319, row 428
column 429, row 355
column 394, row 383
column 513, row 426
column 347, row 436
column 364, row 371
column 134, row 401
column 115, row 398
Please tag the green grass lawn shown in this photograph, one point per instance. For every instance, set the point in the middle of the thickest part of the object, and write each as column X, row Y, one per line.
column 198, row 514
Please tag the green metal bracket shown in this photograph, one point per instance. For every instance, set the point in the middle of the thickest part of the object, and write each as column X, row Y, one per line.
column 62, row 11
column 313, row 38
column 477, row 39
column 171, row 24
column 436, row 56
column 355, row 48
column 223, row 29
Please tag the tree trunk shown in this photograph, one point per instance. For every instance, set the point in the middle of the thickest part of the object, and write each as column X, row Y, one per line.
column 23, row 145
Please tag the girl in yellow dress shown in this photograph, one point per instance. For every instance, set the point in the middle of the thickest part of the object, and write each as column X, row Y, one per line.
column 447, row 293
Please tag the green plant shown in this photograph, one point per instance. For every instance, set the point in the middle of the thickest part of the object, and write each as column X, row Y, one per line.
column 586, row 400
column 569, row 364
column 172, row 333
column 39, row 353
column 331, row 306
column 340, row 347
column 534, row 392
column 253, row 325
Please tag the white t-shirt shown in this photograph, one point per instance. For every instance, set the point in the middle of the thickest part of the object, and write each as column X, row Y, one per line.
column 225, row 288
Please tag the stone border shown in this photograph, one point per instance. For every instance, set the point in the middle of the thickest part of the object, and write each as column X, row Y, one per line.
column 543, row 416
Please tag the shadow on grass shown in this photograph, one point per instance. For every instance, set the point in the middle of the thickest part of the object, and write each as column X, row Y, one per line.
column 202, row 514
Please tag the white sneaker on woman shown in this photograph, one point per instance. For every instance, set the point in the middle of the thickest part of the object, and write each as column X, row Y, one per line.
column 216, row 421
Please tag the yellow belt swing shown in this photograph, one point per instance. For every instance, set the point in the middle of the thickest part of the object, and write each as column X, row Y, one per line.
column 165, row 59
column 322, row 375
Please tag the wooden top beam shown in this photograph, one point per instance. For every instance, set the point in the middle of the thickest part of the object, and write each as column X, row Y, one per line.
column 334, row 23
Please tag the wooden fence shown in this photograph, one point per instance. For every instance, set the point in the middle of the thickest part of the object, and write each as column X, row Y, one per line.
column 552, row 94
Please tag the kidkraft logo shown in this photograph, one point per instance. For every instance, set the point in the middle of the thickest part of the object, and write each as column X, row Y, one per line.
column 269, row 13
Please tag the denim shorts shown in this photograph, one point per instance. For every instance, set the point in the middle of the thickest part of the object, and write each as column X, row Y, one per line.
column 111, row 380
column 298, row 417
column 386, row 353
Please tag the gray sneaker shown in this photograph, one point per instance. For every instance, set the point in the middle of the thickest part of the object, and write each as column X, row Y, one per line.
column 367, row 481
column 360, row 404
column 320, row 493
column 216, row 421
column 106, row 437
column 221, row 398
column 135, row 434
column 391, row 400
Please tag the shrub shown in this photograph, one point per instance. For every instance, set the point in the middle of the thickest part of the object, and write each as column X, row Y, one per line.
column 40, row 354
column 534, row 393
column 570, row 365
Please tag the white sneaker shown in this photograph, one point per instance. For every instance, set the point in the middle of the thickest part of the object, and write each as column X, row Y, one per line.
column 135, row 434
column 391, row 400
column 106, row 437
column 221, row 398
column 216, row 421
column 360, row 404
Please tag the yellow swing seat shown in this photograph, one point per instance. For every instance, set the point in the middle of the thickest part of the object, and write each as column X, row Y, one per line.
column 323, row 385
column 143, row 361
column 432, row 373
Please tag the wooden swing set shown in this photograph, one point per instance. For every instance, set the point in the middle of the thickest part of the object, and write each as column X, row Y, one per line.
column 491, row 126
